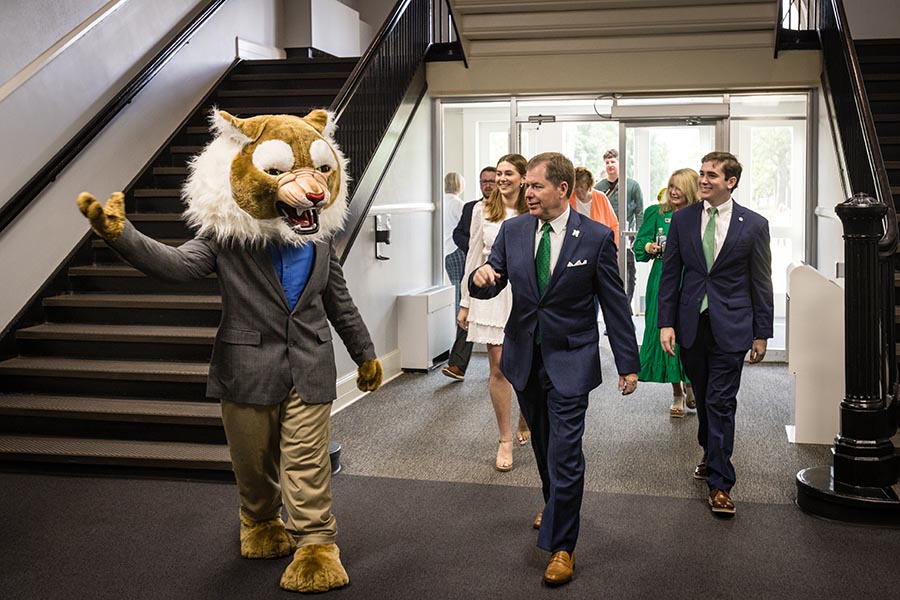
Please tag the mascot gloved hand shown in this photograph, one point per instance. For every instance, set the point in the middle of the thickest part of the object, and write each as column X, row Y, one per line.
column 269, row 192
column 368, row 376
column 106, row 221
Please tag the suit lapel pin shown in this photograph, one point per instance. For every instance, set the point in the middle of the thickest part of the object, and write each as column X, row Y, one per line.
column 575, row 233
column 740, row 218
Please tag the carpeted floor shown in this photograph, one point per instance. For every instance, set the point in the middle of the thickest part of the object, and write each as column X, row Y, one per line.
column 426, row 426
column 85, row 538
column 422, row 513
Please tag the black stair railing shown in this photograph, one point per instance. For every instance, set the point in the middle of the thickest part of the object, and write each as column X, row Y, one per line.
column 796, row 26
column 376, row 103
column 859, row 485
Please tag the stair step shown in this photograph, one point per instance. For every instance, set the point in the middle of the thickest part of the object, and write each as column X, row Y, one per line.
column 301, row 76
column 278, row 93
column 171, row 170
column 119, row 333
column 112, row 409
column 185, row 149
column 134, row 301
column 115, row 452
column 882, row 77
column 112, row 271
column 252, row 111
column 158, row 192
column 101, row 243
column 155, row 218
column 129, row 370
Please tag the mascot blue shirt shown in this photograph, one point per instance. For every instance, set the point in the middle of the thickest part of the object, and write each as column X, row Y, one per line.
column 293, row 265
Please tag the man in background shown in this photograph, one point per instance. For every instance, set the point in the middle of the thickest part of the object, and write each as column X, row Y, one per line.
column 461, row 351
column 634, row 211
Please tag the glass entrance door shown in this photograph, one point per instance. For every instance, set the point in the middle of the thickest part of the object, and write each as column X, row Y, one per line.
column 653, row 151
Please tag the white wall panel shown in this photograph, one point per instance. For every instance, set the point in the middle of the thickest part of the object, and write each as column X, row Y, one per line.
column 37, row 242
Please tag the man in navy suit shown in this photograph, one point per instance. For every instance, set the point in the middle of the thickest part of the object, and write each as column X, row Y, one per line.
column 557, row 262
column 716, row 295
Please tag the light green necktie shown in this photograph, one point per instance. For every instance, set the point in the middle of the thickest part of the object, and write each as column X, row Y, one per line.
column 542, row 267
column 709, row 247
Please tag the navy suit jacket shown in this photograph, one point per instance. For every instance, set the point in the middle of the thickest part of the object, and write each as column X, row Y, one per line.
column 738, row 286
column 566, row 313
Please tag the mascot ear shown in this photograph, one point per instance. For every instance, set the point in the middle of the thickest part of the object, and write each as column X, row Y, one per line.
column 322, row 121
column 242, row 131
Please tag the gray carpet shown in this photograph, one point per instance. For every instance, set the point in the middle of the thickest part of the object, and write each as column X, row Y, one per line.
column 427, row 427
column 88, row 538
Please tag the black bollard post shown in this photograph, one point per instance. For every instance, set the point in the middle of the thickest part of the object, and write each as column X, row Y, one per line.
column 865, row 466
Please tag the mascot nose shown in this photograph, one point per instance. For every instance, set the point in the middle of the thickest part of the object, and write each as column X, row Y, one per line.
column 315, row 198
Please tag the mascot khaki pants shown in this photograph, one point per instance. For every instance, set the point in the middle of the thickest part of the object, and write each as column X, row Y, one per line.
column 283, row 450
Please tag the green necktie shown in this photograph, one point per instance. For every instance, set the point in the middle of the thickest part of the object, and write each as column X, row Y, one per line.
column 542, row 267
column 542, row 259
column 709, row 247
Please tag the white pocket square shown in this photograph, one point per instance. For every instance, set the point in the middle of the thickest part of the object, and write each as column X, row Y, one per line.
column 577, row 263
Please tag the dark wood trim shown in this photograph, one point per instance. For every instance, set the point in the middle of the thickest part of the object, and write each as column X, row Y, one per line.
column 48, row 173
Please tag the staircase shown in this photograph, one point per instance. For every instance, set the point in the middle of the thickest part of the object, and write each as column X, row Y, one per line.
column 880, row 63
column 111, row 374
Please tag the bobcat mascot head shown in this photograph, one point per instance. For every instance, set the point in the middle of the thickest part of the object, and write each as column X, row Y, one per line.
column 269, row 178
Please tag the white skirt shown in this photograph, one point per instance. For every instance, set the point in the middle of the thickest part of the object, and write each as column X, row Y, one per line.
column 487, row 318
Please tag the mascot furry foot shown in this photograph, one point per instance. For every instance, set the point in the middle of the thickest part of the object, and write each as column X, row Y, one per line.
column 265, row 539
column 315, row 568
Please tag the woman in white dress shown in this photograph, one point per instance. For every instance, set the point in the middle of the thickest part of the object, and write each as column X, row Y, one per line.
column 485, row 319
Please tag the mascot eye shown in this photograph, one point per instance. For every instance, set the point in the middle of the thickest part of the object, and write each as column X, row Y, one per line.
column 274, row 172
column 324, row 169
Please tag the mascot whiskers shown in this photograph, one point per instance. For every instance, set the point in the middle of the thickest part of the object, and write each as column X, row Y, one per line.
column 265, row 198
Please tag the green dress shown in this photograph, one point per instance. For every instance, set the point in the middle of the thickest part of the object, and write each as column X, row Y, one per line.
column 656, row 365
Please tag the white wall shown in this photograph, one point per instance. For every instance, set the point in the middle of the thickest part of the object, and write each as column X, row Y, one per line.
column 376, row 284
column 48, row 109
column 29, row 28
column 42, row 236
column 873, row 18
column 327, row 25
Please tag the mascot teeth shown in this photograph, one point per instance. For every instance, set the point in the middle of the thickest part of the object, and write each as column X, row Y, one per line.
column 305, row 222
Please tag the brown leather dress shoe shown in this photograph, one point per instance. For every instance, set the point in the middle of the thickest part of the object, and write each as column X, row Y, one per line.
column 537, row 520
column 700, row 471
column 560, row 569
column 454, row 372
column 720, row 502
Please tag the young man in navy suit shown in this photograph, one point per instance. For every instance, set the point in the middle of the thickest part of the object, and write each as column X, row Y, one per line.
column 557, row 262
column 715, row 299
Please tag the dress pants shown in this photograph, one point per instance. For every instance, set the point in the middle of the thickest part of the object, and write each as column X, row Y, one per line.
column 282, row 451
column 716, row 378
column 557, row 426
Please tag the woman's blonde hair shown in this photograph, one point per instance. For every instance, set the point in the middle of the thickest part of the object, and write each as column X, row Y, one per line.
column 453, row 183
column 686, row 180
column 494, row 210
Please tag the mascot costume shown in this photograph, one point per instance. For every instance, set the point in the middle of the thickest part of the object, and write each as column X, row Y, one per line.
column 265, row 198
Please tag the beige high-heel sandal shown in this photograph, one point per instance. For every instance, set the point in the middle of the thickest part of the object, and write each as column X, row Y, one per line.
column 689, row 399
column 502, row 463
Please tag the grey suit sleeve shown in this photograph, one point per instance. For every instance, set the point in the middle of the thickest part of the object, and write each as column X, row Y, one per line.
column 192, row 260
column 343, row 314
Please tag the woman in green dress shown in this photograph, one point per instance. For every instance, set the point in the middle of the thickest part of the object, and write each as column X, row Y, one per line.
column 649, row 245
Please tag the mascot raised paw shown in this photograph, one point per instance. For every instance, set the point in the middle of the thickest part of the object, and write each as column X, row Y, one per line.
column 265, row 199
